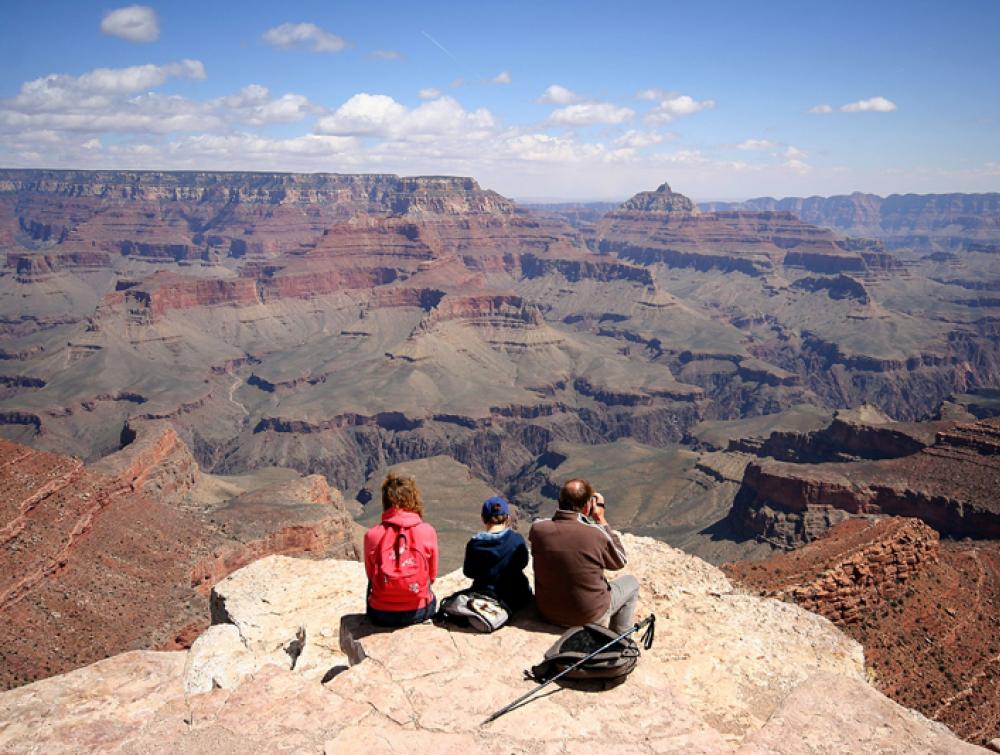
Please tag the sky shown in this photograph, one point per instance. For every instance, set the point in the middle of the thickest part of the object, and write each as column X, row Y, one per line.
column 542, row 101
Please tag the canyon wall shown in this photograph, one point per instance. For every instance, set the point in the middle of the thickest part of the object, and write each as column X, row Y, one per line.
column 119, row 556
column 921, row 221
column 921, row 607
column 850, row 569
column 950, row 484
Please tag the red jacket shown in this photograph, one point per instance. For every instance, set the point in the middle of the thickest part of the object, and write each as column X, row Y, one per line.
column 423, row 538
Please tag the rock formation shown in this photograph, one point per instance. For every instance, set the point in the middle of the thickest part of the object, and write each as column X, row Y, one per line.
column 664, row 226
column 925, row 222
column 728, row 672
column 153, row 461
column 121, row 555
column 923, row 609
column 340, row 325
column 950, row 484
column 850, row 569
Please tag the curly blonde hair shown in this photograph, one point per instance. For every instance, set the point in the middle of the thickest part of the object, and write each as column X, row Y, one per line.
column 401, row 493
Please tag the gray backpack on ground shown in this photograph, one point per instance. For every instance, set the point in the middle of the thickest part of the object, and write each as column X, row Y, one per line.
column 613, row 663
column 482, row 613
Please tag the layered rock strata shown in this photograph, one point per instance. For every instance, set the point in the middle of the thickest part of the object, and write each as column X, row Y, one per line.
column 950, row 485
column 153, row 461
column 924, row 610
column 96, row 561
column 667, row 227
column 391, row 319
column 850, row 569
column 926, row 222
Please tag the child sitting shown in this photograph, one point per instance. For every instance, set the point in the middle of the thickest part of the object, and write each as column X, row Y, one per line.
column 495, row 559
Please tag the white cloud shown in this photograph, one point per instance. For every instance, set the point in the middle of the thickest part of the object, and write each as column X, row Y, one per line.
column 558, row 95
column 756, row 144
column 149, row 118
column 501, row 78
column 138, row 78
column 564, row 149
column 794, row 153
column 590, row 113
column 387, row 54
column 668, row 109
column 639, row 139
column 96, row 89
column 443, row 116
column 304, row 36
column 872, row 105
column 120, row 100
column 364, row 115
column 136, row 23
column 797, row 166
column 254, row 105
column 240, row 147
column 429, row 93
column 380, row 115
column 651, row 94
column 821, row 109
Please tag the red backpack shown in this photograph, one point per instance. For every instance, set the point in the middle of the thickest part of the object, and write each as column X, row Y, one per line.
column 401, row 571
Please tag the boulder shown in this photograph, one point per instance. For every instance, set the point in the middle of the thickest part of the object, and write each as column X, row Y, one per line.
column 218, row 658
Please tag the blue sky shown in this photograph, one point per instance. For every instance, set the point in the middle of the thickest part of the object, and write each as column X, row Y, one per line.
column 578, row 100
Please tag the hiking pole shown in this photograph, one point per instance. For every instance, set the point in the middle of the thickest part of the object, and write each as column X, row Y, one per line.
column 647, row 643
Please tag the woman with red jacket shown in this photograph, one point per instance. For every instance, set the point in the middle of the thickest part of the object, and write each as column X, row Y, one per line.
column 401, row 558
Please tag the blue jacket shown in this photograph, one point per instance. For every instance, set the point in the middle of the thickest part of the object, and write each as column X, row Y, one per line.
column 496, row 562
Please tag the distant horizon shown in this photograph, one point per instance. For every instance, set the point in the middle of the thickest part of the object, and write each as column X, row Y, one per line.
column 558, row 100
column 536, row 200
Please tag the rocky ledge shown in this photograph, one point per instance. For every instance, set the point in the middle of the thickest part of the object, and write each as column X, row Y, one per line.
column 729, row 672
column 923, row 608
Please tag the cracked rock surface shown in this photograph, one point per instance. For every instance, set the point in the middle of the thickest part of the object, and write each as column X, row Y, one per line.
column 728, row 672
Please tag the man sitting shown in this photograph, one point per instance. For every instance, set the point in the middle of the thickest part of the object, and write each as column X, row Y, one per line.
column 571, row 552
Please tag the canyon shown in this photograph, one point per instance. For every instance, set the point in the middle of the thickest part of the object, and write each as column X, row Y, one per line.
column 121, row 554
column 342, row 324
column 193, row 365
column 339, row 324
column 939, row 223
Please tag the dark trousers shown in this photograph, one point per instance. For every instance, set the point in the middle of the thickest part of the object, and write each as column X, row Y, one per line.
column 402, row 618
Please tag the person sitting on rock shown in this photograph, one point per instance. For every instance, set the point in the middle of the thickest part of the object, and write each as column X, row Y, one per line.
column 571, row 552
column 495, row 558
column 401, row 558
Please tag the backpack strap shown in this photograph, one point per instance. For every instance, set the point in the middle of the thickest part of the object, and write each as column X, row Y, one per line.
column 399, row 533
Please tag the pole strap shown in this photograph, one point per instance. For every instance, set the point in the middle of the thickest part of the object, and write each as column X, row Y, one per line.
column 649, row 634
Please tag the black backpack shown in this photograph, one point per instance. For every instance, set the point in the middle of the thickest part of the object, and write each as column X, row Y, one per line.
column 613, row 663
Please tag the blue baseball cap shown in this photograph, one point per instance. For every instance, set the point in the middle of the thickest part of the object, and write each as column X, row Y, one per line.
column 496, row 506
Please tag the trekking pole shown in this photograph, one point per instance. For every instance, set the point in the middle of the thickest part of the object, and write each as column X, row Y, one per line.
column 647, row 643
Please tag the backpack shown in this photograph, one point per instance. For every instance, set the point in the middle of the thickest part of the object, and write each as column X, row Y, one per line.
column 400, row 570
column 614, row 663
column 480, row 612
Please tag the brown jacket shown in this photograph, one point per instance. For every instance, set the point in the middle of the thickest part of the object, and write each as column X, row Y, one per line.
column 570, row 553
